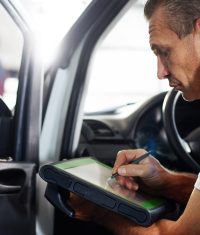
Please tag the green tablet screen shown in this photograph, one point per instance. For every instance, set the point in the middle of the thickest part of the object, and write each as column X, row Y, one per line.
column 98, row 174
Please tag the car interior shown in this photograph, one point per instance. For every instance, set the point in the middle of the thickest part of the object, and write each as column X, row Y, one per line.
column 64, row 110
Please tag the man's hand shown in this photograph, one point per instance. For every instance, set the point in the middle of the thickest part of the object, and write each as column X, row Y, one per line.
column 150, row 176
column 151, row 173
column 84, row 210
column 88, row 211
column 153, row 176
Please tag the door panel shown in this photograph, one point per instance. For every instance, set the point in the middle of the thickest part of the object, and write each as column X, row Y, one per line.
column 17, row 198
column 19, row 123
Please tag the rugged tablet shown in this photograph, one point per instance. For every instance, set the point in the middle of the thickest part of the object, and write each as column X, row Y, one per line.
column 88, row 178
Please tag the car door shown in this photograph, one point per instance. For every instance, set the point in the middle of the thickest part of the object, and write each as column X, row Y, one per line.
column 20, row 118
column 65, row 88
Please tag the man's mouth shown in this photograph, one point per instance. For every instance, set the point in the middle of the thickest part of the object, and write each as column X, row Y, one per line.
column 175, row 84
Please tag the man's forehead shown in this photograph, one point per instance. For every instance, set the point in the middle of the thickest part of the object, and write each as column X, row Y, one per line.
column 158, row 20
column 156, row 33
column 160, row 33
column 155, row 28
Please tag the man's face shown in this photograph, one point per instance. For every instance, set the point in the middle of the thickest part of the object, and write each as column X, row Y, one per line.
column 178, row 59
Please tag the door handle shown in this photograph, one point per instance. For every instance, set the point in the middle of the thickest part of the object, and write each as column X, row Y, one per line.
column 9, row 189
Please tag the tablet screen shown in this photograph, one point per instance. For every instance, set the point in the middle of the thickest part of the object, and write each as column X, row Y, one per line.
column 98, row 174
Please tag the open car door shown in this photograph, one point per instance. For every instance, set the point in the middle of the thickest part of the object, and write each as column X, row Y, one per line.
column 20, row 115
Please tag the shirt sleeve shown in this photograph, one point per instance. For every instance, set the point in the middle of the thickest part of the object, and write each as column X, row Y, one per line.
column 197, row 183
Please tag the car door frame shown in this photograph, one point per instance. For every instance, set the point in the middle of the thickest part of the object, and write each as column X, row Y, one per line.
column 28, row 109
column 77, row 48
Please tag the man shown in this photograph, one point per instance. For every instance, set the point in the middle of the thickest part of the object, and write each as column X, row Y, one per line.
column 174, row 29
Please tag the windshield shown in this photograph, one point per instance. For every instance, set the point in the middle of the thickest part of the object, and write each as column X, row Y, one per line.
column 123, row 68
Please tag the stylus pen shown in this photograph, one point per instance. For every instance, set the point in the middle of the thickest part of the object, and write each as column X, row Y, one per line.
column 136, row 161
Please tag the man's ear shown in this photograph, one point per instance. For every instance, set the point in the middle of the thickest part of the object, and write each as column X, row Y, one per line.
column 197, row 25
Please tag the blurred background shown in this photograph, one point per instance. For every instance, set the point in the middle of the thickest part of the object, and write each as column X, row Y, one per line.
column 123, row 68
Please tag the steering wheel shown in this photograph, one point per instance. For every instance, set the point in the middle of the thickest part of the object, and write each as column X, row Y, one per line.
column 187, row 149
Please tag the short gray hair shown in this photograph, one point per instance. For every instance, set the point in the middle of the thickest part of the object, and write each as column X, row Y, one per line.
column 180, row 14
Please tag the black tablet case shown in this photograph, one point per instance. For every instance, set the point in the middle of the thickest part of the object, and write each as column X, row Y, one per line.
column 61, row 182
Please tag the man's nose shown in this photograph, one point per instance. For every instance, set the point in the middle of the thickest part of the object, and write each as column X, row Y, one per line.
column 162, row 72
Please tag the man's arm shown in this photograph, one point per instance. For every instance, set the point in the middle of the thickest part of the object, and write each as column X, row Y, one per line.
column 178, row 186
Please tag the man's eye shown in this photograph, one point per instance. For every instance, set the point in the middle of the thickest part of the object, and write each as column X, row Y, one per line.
column 164, row 53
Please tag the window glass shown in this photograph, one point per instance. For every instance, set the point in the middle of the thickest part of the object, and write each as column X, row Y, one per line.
column 51, row 20
column 11, row 45
column 123, row 68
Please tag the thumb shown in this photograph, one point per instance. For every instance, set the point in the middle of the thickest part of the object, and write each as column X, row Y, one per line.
column 139, row 170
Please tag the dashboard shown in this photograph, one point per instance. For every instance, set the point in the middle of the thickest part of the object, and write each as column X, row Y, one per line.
column 137, row 126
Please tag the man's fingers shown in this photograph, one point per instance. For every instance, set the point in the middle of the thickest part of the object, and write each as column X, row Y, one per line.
column 125, row 156
column 140, row 170
column 128, row 182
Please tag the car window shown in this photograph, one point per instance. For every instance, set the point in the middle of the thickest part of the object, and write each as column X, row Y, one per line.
column 45, row 17
column 11, row 45
column 51, row 20
column 123, row 68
